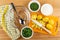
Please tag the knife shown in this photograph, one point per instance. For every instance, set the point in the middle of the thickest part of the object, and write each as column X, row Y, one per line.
column 40, row 25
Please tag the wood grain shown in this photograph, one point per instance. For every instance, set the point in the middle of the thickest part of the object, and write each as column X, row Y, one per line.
column 37, row 36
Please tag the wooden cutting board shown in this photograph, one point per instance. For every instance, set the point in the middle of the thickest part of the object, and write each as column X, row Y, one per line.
column 36, row 36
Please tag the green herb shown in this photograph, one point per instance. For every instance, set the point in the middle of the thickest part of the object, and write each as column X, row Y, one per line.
column 34, row 6
column 26, row 32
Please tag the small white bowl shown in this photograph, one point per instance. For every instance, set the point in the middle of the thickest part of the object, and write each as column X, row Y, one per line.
column 34, row 1
column 27, row 37
column 46, row 9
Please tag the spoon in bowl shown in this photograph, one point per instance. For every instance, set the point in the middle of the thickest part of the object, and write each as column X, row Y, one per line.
column 20, row 19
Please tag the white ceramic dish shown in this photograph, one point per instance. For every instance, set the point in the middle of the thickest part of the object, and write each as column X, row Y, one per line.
column 33, row 1
column 46, row 9
column 27, row 37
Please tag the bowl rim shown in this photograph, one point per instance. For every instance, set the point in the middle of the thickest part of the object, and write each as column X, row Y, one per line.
column 27, row 37
column 34, row 2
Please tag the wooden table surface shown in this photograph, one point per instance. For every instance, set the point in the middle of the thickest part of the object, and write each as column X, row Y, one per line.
column 36, row 36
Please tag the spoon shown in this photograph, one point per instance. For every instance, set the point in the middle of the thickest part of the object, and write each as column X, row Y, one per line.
column 20, row 19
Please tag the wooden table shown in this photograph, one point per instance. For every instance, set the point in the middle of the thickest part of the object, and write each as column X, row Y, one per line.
column 37, row 36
